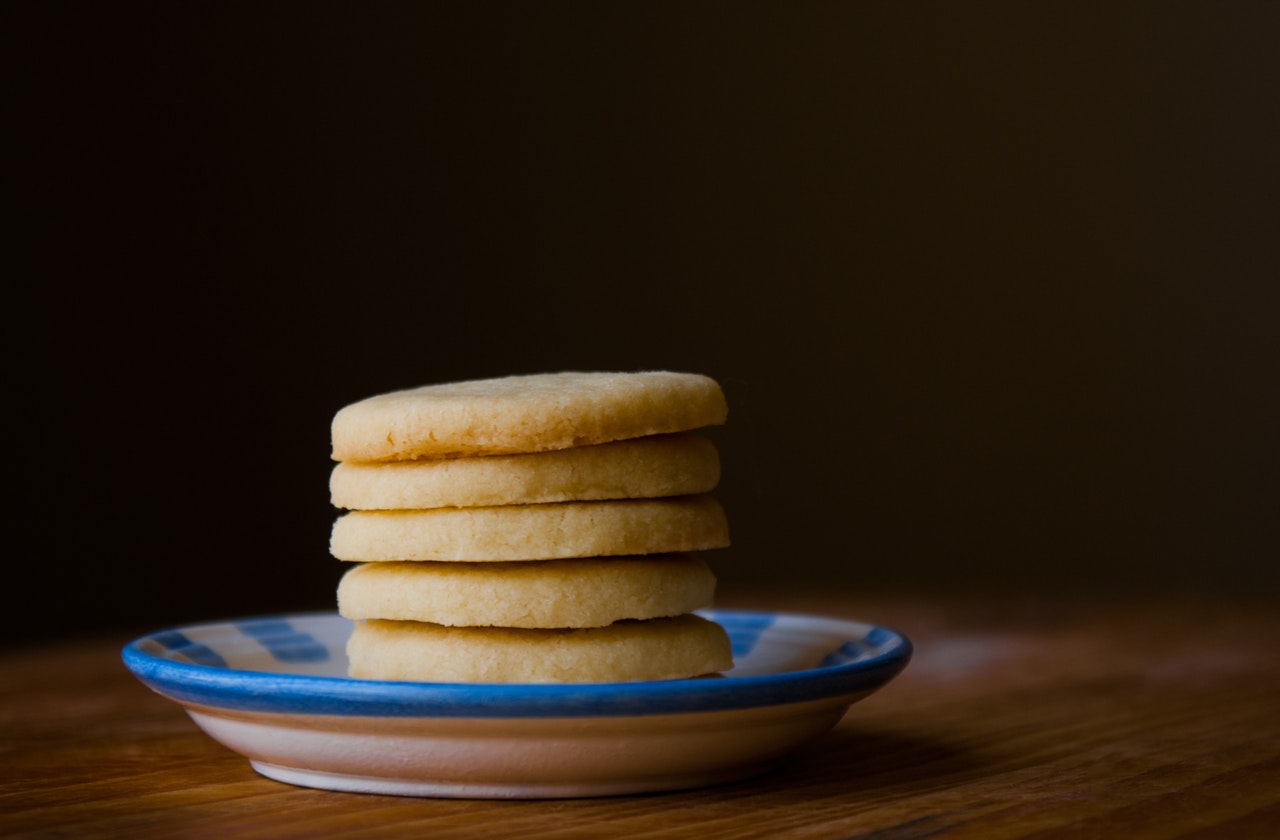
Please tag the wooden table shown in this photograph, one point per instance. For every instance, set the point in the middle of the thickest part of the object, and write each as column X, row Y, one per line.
column 1018, row 717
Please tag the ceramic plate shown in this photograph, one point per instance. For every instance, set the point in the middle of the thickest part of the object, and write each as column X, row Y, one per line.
column 274, row 690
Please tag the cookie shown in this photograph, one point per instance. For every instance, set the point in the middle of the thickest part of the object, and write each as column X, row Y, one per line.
column 658, row 649
column 532, row 532
column 537, row 594
column 529, row 413
column 659, row 465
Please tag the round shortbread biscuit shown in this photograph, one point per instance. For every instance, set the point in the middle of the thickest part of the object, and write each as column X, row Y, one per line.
column 532, row 532
column 660, row 465
column 529, row 413
column 544, row 594
column 658, row 649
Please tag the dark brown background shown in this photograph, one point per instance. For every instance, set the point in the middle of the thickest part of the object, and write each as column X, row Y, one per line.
column 991, row 287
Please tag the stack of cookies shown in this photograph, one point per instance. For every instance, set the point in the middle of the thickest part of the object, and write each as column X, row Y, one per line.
column 538, row 528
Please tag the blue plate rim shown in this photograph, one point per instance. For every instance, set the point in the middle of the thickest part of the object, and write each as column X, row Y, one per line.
column 239, row 690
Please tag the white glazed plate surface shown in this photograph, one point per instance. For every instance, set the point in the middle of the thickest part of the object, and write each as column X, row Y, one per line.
column 274, row 689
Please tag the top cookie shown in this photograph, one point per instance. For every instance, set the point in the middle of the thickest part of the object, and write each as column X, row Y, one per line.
column 529, row 413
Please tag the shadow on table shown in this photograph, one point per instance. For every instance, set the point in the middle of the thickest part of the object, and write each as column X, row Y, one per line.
column 848, row 764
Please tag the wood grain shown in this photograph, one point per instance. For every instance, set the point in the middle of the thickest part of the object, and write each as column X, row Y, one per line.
column 1017, row 718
